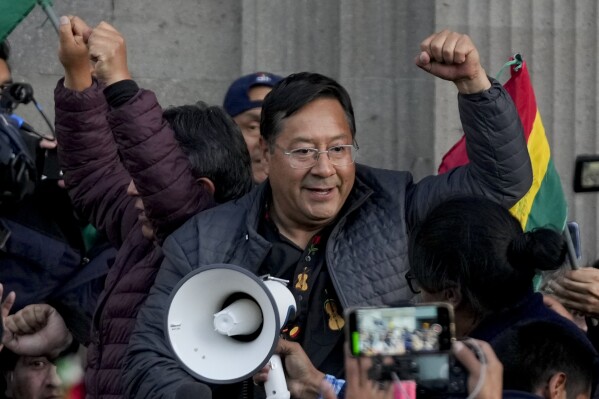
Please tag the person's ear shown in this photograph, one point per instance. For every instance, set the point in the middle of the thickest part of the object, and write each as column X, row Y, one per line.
column 453, row 296
column 556, row 386
column 207, row 184
column 265, row 150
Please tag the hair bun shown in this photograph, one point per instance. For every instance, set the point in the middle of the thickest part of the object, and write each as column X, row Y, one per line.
column 542, row 249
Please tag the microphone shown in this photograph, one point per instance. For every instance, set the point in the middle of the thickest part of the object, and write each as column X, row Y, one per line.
column 21, row 124
column 193, row 390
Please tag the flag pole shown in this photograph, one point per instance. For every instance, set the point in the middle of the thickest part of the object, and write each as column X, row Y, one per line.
column 47, row 6
column 572, row 258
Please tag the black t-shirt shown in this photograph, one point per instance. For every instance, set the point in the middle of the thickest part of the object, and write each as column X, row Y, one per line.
column 318, row 325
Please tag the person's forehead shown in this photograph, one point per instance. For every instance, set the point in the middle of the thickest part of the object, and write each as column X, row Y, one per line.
column 321, row 118
column 258, row 92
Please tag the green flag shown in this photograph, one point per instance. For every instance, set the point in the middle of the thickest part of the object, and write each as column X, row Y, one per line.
column 11, row 13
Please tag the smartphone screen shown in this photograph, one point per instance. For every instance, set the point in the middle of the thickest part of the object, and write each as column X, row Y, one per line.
column 401, row 331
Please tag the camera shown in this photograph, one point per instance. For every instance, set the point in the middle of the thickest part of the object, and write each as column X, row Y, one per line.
column 411, row 341
column 18, row 171
column 13, row 94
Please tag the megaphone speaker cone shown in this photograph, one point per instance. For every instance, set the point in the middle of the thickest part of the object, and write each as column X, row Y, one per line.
column 204, row 344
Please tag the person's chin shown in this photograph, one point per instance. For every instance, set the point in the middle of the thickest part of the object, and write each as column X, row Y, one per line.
column 322, row 211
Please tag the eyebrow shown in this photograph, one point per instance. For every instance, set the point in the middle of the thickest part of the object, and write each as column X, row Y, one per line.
column 307, row 140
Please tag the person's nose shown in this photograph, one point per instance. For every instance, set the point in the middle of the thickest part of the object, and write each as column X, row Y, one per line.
column 52, row 378
column 323, row 166
column 132, row 190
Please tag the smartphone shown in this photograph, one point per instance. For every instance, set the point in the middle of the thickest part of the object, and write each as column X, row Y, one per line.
column 418, row 339
column 401, row 331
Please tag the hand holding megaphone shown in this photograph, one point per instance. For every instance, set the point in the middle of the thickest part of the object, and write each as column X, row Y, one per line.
column 303, row 379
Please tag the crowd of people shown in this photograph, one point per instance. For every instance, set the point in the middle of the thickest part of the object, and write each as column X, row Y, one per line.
column 269, row 182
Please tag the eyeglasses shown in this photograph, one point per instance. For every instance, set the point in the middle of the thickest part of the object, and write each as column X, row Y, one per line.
column 412, row 282
column 304, row 158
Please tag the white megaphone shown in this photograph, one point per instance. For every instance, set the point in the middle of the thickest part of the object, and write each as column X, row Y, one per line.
column 224, row 322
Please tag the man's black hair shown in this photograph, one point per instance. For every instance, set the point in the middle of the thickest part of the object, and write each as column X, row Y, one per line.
column 533, row 352
column 215, row 147
column 293, row 93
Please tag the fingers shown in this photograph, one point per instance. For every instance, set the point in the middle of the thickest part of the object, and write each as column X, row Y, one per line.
column 107, row 49
column 262, row 376
column 106, row 26
column 47, row 144
column 73, row 30
column 493, row 370
column 30, row 319
column 555, row 305
column 8, row 303
column 287, row 348
column 327, row 391
column 447, row 47
column 80, row 28
column 466, row 357
column 356, row 370
column 453, row 56
column 65, row 31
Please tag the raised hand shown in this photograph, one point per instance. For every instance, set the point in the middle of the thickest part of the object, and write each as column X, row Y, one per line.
column 5, row 307
column 36, row 330
column 108, row 51
column 73, row 54
column 452, row 56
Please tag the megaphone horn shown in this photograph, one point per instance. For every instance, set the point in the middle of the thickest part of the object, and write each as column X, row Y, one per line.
column 224, row 322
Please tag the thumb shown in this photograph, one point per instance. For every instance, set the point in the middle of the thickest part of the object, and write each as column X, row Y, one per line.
column 284, row 347
column 66, row 31
column 423, row 61
column 326, row 390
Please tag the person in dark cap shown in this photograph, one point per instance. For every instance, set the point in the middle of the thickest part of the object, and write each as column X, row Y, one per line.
column 243, row 102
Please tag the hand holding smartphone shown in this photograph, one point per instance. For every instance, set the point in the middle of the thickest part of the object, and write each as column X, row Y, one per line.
column 418, row 339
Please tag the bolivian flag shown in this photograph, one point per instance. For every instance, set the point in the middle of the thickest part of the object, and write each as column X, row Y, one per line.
column 544, row 205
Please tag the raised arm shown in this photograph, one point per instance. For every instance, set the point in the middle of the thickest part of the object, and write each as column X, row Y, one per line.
column 499, row 165
column 94, row 176
column 159, row 168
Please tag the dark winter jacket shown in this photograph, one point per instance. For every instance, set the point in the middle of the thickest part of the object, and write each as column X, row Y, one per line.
column 366, row 253
column 101, row 150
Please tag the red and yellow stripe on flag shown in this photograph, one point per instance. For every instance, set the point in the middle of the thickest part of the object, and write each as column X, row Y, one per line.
column 545, row 203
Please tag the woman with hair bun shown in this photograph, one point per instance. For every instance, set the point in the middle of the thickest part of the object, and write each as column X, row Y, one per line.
column 472, row 253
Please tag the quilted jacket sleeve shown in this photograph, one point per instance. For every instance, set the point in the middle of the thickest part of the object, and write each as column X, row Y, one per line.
column 158, row 166
column 93, row 173
column 150, row 370
column 499, row 167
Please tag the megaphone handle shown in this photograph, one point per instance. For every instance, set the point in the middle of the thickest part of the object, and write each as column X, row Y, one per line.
column 276, row 386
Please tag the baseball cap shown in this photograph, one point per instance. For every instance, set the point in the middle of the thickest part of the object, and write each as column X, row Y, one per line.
column 237, row 100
